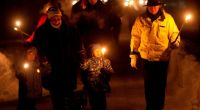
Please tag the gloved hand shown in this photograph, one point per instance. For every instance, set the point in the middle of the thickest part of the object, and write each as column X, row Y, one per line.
column 106, row 75
column 133, row 61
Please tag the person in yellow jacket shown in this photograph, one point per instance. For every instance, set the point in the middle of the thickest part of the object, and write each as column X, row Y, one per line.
column 153, row 36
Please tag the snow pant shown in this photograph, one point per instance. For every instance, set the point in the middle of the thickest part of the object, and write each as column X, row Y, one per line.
column 25, row 103
column 155, row 77
column 97, row 100
column 61, row 101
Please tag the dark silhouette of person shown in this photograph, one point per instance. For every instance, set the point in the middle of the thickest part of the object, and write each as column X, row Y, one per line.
column 59, row 45
column 96, row 22
column 30, row 80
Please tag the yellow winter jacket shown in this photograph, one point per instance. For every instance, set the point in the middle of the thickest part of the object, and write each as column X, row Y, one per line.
column 153, row 39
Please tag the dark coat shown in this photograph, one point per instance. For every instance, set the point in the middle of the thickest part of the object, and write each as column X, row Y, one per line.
column 60, row 47
column 96, row 23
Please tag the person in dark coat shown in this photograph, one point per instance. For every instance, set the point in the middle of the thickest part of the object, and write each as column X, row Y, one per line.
column 96, row 22
column 58, row 44
column 30, row 85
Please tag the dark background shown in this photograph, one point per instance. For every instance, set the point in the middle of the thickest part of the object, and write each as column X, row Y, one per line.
column 124, row 82
column 28, row 11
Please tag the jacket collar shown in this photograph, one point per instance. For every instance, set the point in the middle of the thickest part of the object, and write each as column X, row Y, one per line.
column 160, row 18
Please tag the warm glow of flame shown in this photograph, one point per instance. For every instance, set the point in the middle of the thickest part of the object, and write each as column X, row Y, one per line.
column 18, row 23
column 141, row 2
column 188, row 17
column 105, row 1
column 38, row 70
column 103, row 50
column 15, row 28
column 26, row 65
column 128, row 3
column 74, row 2
column 131, row 3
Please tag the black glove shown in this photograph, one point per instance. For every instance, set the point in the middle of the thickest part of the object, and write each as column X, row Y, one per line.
column 105, row 77
column 105, row 74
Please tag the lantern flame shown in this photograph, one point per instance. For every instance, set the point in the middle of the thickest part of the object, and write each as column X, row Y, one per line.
column 15, row 28
column 103, row 50
column 188, row 17
column 18, row 23
column 26, row 65
column 38, row 70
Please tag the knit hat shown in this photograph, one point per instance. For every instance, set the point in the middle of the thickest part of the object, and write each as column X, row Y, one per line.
column 154, row 2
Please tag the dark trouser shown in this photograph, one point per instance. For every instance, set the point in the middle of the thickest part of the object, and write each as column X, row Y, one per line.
column 26, row 104
column 61, row 101
column 155, row 77
column 97, row 100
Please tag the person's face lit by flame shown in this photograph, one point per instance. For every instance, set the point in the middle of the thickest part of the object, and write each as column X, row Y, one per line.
column 92, row 2
column 153, row 9
column 97, row 52
column 56, row 21
column 31, row 56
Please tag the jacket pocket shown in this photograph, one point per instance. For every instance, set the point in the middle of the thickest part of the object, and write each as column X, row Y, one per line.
column 162, row 33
